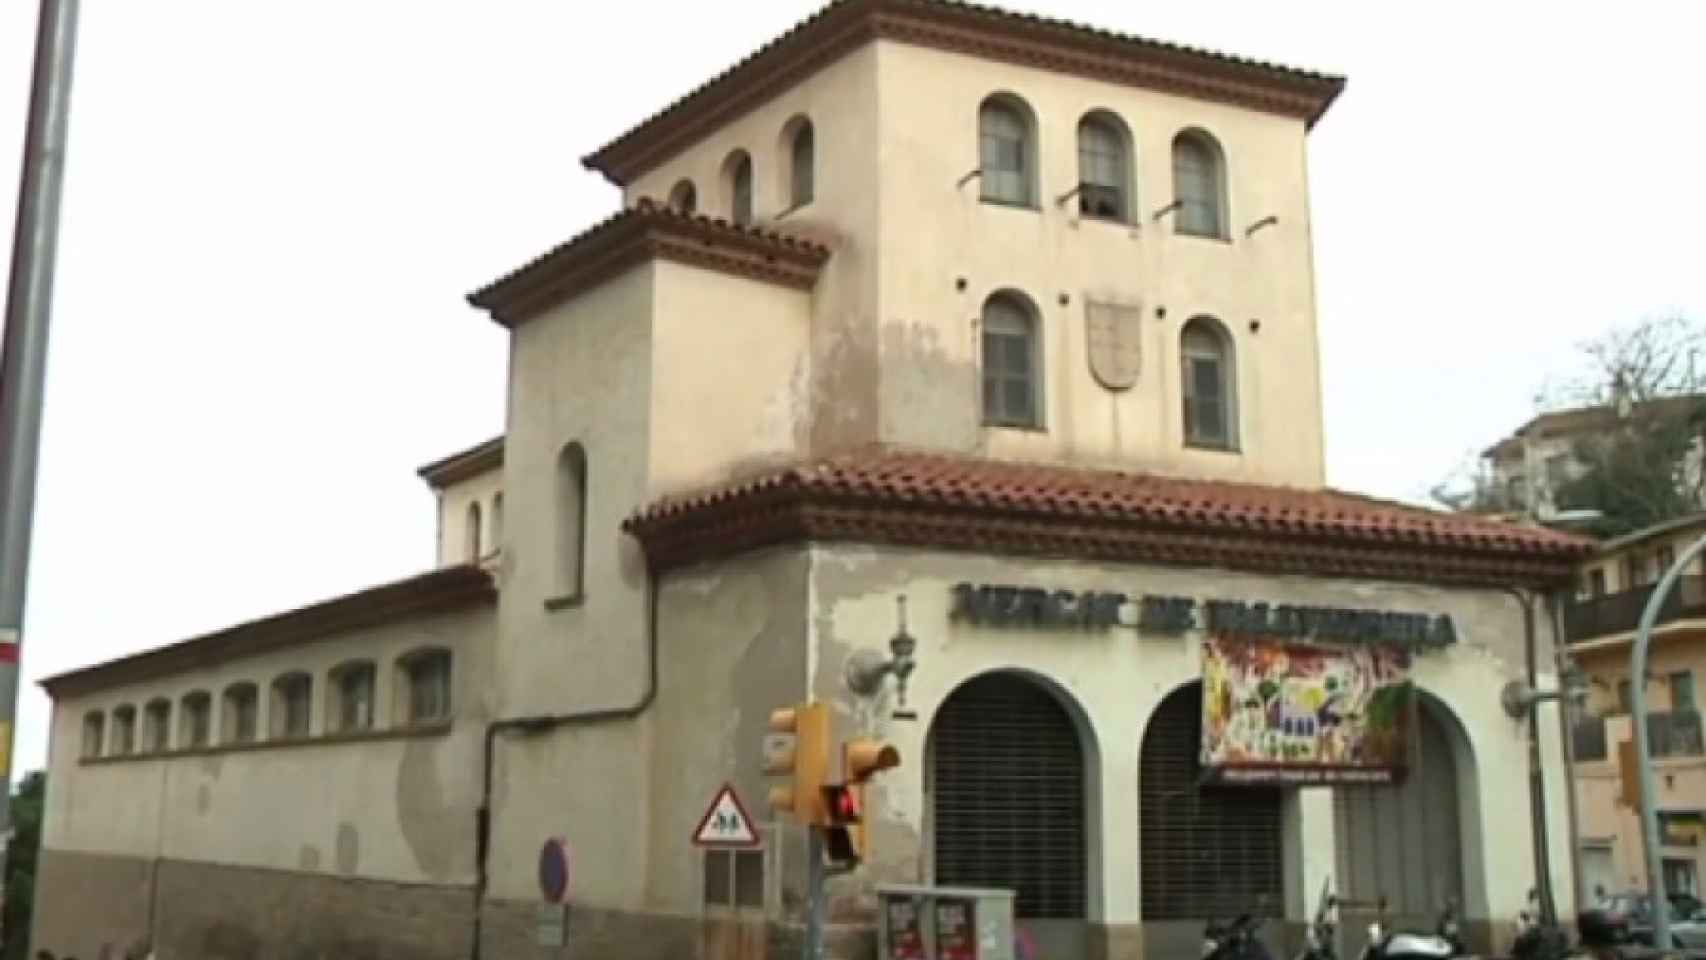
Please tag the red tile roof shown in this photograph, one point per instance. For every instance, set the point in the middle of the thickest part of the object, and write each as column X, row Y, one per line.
column 1002, row 506
column 645, row 231
column 1060, row 45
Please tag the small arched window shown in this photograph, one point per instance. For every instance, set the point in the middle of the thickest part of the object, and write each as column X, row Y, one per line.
column 737, row 170
column 1104, row 167
column 474, row 532
column 124, row 730
column 1210, row 399
column 1012, row 391
column 423, row 687
column 239, row 714
column 1007, row 150
column 157, row 726
column 497, row 537
column 683, row 197
column 350, row 709
column 94, row 734
column 571, row 522
column 196, row 716
column 802, row 185
column 292, row 706
column 1199, row 185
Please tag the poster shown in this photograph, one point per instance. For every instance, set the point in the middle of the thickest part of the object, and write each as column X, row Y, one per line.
column 956, row 932
column 906, row 938
column 1299, row 713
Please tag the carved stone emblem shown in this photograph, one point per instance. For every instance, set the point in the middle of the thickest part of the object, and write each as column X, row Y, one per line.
column 1113, row 340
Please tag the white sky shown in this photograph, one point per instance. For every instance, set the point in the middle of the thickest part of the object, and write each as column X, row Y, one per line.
column 273, row 210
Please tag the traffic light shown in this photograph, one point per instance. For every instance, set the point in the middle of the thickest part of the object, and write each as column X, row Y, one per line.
column 845, row 838
column 805, row 762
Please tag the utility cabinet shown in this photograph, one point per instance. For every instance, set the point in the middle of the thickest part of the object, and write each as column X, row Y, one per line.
column 944, row 923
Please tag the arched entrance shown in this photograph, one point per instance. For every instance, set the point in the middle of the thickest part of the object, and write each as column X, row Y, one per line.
column 1406, row 842
column 1008, row 810
column 1205, row 852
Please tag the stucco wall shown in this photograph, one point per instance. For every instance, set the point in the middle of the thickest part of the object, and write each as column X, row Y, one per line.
column 730, row 376
column 453, row 528
column 1114, row 680
column 841, row 102
column 933, row 234
column 395, row 809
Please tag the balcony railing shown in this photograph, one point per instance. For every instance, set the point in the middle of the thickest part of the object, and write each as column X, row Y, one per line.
column 1673, row 733
column 1621, row 612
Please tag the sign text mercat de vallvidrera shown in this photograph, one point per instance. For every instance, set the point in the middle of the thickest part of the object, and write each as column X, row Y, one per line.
column 1017, row 606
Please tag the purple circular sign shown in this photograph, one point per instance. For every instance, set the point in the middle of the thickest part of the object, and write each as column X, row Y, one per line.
column 554, row 870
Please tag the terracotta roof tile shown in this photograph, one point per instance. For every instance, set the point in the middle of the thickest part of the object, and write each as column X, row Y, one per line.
column 647, row 229
column 1058, row 44
column 1071, row 502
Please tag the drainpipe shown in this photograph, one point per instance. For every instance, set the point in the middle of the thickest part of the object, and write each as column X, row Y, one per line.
column 1536, row 782
column 541, row 723
column 1567, row 729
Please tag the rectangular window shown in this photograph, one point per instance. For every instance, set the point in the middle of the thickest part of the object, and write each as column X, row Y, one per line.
column 124, row 731
column 242, row 710
column 355, row 698
column 293, row 703
column 198, row 720
column 1680, row 877
column 1624, row 696
column 1682, row 690
column 1205, row 414
column 1557, row 471
column 1634, row 571
column 94, row 734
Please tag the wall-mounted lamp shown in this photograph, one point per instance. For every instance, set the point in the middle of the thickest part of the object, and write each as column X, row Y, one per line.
column 866, row 668
column 1518, row 697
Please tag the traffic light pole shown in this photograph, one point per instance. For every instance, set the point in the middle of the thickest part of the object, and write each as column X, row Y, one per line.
column 815, row 872
column 23, row 344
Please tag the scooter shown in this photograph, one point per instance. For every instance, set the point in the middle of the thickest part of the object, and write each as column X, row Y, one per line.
column 1445, row 943
column 1234, row 941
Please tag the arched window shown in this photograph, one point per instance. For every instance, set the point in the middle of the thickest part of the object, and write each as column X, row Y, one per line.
column 497, row 522
column 292, row 705
column 240, row 714
column 1104, row 167
column 350, row 709
column 94, row 734
column 196, row 716
column 474, row 532
column 1007, row 150
column 1199, row 185
column 737, row 171
column 124, row 730
column 683, row 197
column 802, row 181
column 157, row 726
column 423, row 687
column 1012, row 388
column 1211, row 409
column 571, row 522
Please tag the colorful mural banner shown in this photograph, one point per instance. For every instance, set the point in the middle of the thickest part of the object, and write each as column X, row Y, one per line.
column 1297, row 713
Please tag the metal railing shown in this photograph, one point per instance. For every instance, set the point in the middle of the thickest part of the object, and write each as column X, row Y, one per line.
column 1620, row 612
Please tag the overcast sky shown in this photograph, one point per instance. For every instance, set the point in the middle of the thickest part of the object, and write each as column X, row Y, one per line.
column 273, row 210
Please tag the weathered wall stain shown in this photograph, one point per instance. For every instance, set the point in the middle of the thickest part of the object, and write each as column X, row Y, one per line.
column 930, row 398
column 203, row 799
column 348, row 848
column 308, row 858
column 436, row 830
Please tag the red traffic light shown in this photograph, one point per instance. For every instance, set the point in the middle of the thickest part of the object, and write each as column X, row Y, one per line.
column 842, row 802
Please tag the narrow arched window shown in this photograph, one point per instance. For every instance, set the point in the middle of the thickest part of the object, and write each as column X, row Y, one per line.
column 157, row 726
column 1006, row 151
column 292, row 706
column 1104, row 167
column 1011, row 389
column 240, row 713
column 94, row 734
column 196, row 717
column 737, row 170
column 124, row 730
column 802, row 183
column 1210, row 400
column 474, row 532
column 349, row 709
column 683, row 197
column 423, row 687
column 1199, row 185
column 571, row 522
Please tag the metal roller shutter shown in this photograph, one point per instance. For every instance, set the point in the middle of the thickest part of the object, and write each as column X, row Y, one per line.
column 1007, row 775
column 1206, row 852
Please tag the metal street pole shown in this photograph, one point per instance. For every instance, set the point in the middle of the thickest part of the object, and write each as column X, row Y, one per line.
column 1643, row 749
column 23, row 345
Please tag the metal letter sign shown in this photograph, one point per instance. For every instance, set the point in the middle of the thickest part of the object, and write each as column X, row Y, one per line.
column 1113, row 335
column 725, row 823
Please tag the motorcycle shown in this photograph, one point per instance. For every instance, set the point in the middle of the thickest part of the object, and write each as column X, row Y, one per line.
column 1320, row 940
column 1234, row 941
column 1536, row 937
column 1444, row 943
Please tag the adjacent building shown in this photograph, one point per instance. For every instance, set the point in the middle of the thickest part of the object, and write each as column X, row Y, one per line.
column 1007, row 317
column 1600, row 626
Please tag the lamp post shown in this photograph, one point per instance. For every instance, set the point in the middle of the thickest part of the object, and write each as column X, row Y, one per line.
column 1519, row 700
column 1643, row 748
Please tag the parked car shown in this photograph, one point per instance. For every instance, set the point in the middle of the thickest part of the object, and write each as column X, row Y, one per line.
column 1631, row 914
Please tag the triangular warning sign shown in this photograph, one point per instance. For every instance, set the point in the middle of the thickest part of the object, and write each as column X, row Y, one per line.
column 725, row 823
